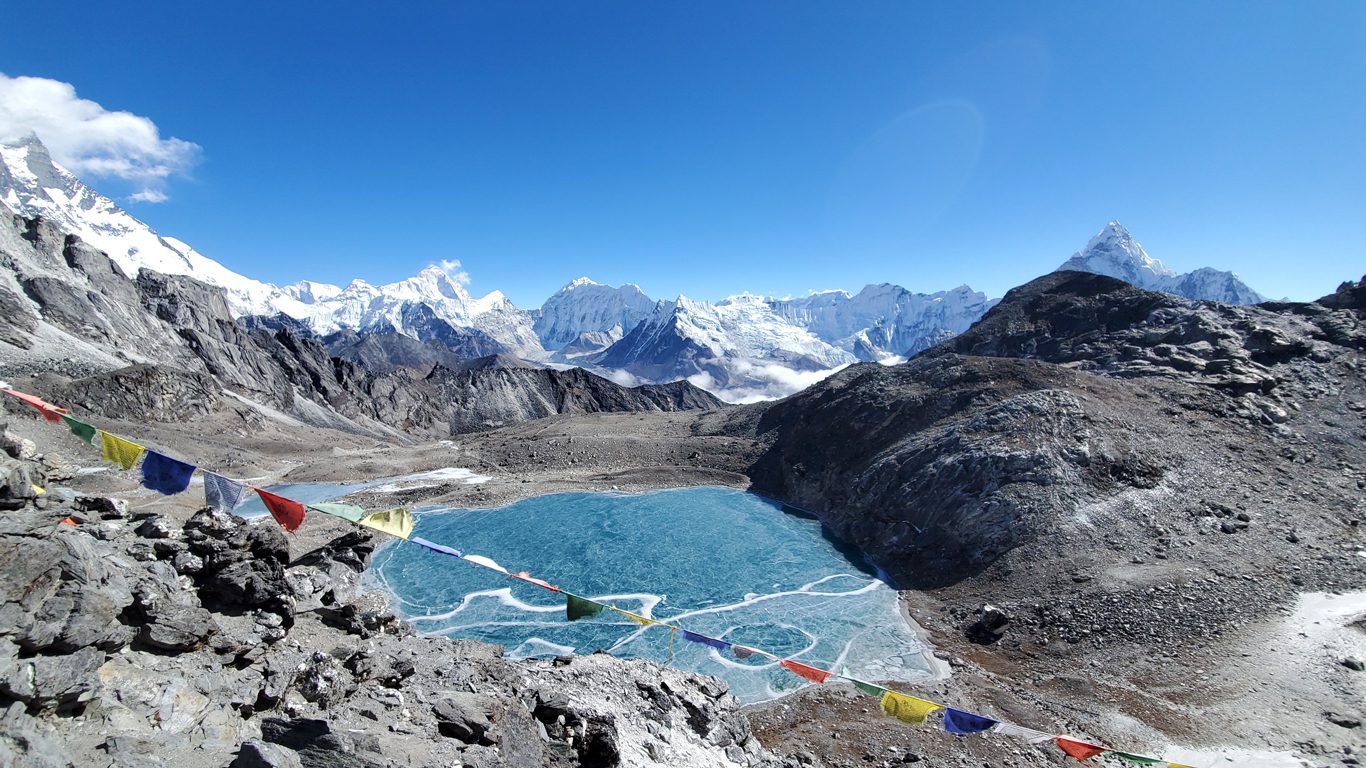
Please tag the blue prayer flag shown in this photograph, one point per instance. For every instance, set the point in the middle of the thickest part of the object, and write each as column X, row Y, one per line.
column 958, row 721
column 221, row 493
column 164, row 474
column 719, row 645
column 418, row 540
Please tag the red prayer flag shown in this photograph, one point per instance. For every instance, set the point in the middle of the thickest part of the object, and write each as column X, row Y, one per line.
column 810, row 673
column 288, row 513
column 1079, row 750
column 69, row 521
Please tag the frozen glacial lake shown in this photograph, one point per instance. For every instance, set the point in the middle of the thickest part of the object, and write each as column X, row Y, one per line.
column 714, row 560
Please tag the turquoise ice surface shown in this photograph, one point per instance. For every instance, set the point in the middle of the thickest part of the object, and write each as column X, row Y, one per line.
column 716, row 561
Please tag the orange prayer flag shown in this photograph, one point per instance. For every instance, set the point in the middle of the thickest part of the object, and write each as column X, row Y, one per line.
column 808, row 672
column 1079, row 750
column 528, row 578
column 50, row 412
column 69, row 521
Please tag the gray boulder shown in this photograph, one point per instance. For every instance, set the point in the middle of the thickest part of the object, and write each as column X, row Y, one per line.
column 62, row 593
column 464, row 716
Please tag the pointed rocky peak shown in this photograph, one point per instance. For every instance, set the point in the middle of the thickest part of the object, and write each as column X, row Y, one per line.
column 29, row 139
column 1113, row 251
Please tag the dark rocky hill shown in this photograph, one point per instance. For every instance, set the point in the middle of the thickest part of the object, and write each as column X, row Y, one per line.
column 1081, row 407
column 1103, row 498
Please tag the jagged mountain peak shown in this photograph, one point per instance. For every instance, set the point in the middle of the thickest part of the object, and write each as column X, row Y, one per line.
column 1115, row 252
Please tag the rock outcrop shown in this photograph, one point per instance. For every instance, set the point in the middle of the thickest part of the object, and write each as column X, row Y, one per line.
column 146, row 642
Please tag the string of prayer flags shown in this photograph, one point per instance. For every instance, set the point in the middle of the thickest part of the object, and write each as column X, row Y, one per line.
column 868, row 688
column 1020, row 732
column 169, row 476
column 908, row 709
column 421, row 542
column 395, row 522
column 116, row 450
column 287, row 512
column 86, row 432
column 1143, row 759
column 576, row 607
column 693, row 637
column 51, row 413
column 221, row 493
column 487, row 563
column 1080, row 751
column 164, row 474
column 958, row 721
column 808, row 672
column 349, row 512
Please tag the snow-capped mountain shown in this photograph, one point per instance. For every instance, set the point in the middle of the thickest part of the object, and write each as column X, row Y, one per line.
column 393, row 308
column 1114, row 252
column 586, row 317
column 885, row 320
column 736, row 344
column 32, row 184
column 745, row 346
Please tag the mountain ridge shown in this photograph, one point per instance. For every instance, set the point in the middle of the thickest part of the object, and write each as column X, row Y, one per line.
column 744, row 346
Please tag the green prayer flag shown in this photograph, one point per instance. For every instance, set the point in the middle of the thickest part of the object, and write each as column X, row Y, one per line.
column 868, row 688
column 80, row 429
column 1140, row 759
column 578, row 608
column 344, row 511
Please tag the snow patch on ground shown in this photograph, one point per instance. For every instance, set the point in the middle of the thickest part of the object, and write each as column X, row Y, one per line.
column 431, row 479
column 1233, row 758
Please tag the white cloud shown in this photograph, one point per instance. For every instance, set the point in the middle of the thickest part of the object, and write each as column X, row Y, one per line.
column 90, row 140
column 452, row 268
column 149, row 196
column 756, row 381
column 620, row 376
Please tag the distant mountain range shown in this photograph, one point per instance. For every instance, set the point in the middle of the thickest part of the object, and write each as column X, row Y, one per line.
column 742, row 347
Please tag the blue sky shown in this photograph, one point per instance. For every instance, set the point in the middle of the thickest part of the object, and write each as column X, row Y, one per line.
column 711, row 148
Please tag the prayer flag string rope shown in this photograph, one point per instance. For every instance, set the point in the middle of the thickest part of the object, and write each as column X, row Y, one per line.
column 171, row 476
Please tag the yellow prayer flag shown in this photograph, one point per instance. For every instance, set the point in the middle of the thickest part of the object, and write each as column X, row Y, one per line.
column 907, row 709
column 395, row 522
column 641, row 620
column 118, row 451
column 38, row 489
